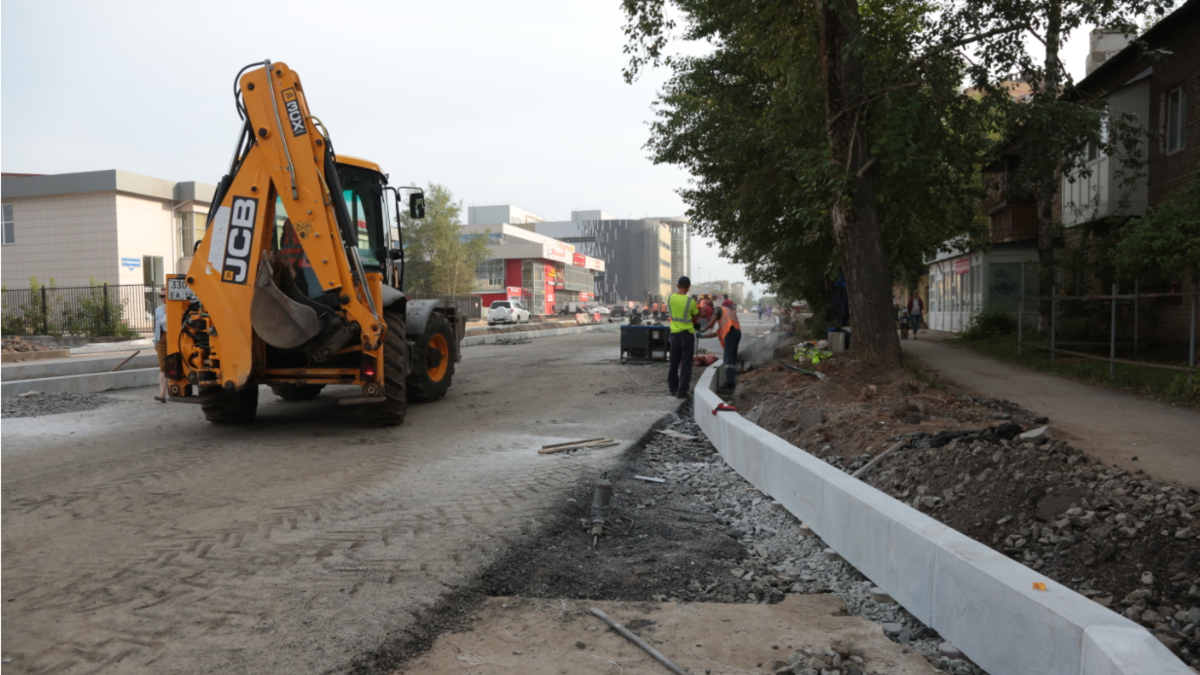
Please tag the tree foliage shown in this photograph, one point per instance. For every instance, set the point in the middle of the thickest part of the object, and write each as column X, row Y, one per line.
column 748, row 121
column 1164, row 245
column 439, row 260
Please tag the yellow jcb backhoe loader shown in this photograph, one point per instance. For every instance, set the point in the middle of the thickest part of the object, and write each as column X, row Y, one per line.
column 297, row 283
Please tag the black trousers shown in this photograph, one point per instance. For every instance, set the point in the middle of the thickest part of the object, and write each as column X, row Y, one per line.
column 683, row 349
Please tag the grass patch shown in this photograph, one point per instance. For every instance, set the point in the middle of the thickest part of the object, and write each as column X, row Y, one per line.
column 1164, row 385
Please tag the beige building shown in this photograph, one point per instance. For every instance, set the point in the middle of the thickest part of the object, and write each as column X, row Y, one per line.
column 110, row 226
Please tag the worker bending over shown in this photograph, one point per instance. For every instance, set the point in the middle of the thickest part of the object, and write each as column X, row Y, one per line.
column 729, row 330
column 683, row 312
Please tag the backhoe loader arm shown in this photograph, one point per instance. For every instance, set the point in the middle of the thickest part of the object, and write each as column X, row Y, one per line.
column 290, row 158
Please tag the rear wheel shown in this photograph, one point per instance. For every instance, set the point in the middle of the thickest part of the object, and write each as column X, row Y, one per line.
column 395, row 364
column 232, row 408
column 297, row 392
column 433, row 361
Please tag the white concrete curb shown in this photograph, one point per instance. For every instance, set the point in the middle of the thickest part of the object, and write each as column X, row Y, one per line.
column 473, row 340
column 91, row 383
column 978, row 599
column 30, row 370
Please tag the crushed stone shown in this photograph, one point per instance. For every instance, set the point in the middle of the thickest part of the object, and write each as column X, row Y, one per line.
column 36, row 404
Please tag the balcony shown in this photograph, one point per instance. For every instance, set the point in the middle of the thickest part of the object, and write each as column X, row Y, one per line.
column 1013, row 220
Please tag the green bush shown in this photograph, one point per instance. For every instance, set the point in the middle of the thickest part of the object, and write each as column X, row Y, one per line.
column 991, row 322
column 1185, row 389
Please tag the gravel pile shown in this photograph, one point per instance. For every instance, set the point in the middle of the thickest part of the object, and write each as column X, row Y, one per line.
column 36, row 404
column 783, row 558
column 16, row 344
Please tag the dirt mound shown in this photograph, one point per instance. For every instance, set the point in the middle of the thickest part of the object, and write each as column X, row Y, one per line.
column 16, row 344
column 1125, row 540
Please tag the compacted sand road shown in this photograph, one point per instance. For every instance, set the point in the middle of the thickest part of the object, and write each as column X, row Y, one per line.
column 137, row 538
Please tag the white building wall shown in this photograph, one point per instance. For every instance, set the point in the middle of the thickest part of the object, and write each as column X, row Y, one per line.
column 145, row 230
column 70, row 238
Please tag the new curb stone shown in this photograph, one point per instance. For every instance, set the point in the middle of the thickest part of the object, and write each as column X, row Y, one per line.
column 980, row 600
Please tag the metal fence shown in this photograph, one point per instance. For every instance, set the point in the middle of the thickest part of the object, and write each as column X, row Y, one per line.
column 101, row 310
column 1124, row 314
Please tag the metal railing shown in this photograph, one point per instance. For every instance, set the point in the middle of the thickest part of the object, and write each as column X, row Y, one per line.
column 1134, row 299
column 100, row 310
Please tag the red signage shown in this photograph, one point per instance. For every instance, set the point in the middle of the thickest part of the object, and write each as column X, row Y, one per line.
column 579, row 259
column 514, row 290
column 962, row 265
column 584, row 297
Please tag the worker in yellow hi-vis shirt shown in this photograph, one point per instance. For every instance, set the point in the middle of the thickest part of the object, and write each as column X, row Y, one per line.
column 683, row 312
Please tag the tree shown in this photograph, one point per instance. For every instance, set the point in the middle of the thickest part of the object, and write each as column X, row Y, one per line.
column 1164, row 245
column 748, row 299
column 807, row 158
column 438, row 258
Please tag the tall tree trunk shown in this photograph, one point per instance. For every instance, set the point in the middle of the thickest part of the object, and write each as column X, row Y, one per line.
column 1046, row 186
column 854, row 210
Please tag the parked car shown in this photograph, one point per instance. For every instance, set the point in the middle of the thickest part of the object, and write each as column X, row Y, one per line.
column 602, row 310
column 507, row 311
column 619, row 310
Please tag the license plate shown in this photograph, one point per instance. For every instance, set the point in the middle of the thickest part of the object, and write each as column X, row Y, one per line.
column 177, row 289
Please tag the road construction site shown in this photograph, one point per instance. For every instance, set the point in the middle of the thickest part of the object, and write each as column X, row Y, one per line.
column 140, row 539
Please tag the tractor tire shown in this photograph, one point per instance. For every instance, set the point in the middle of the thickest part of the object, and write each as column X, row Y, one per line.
column 297, row 392
column 433, row 361
column 236, row 408
column 395, row 367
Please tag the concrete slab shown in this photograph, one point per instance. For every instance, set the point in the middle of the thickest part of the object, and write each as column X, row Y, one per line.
column 538, row 636
column 76, row 366
column 90, row 383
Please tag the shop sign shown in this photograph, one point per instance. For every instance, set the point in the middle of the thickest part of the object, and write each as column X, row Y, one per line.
column 558, row 252
column 514, row 291
column 962, row 265
column 131, row 264
column 584, row 297
column 593, row 264
column 579, row 260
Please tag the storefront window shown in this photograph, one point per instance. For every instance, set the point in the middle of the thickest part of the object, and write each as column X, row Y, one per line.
column 489, row 274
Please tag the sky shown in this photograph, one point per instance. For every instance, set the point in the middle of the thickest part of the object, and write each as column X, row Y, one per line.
column 518, row 102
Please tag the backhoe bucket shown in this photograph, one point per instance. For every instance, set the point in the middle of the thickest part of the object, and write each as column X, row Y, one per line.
column 276, row 318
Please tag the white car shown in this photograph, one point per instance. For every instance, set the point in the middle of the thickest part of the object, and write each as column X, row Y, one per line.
column 505, row 311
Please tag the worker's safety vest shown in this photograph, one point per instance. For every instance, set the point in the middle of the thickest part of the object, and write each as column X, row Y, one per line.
column 681, row 313
column 726, row 323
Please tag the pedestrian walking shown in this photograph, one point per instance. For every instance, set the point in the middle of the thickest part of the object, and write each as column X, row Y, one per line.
column 760, row 311
column 916, row 307
column 683, row 312
column 160, row 343
column 728, row 303
column 729, row 330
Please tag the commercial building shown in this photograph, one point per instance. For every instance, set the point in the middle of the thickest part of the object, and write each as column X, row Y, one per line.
column 641, row 257
column 543, row 273
column 636, row 253
column 112, row 227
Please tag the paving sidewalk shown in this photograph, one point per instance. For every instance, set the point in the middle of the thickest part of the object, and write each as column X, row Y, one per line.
column 1110, row 425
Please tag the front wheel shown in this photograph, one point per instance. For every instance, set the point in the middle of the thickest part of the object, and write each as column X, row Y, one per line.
column 391, row 411
column 432, row 362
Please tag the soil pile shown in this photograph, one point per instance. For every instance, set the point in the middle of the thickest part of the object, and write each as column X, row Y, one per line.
column 1125, row 540
column 15, row 344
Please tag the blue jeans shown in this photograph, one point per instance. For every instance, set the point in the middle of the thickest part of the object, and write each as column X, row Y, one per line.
column 683, row 349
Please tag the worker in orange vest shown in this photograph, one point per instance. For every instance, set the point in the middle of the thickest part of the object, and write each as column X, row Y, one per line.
column 729, row 330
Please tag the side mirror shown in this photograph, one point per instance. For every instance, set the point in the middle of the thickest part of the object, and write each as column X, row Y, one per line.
column 416, row 205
